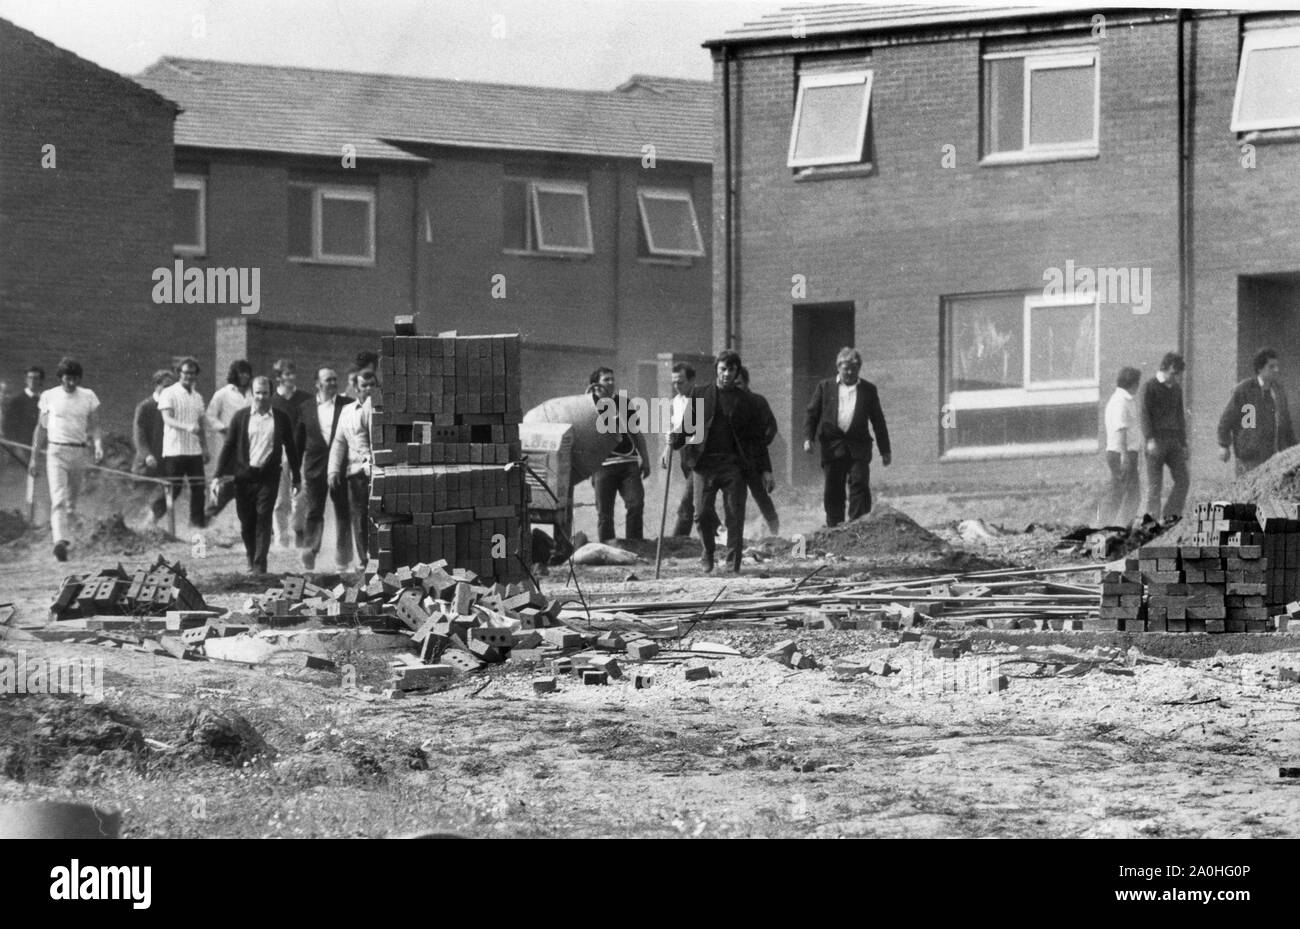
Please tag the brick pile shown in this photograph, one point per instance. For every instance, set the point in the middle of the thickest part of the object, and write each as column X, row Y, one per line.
column 447, row 483
column 149, row 590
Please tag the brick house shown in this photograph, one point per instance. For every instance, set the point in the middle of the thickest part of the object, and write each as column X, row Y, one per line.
column 937, row 184
column 579, row 218
column 86, row 167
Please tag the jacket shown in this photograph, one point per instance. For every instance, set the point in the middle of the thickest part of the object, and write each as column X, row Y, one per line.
column 821, row 424
column 233, row 460
column 350, row 452
column 316, row 448
column 147, row 431
column 747, row 425
column 1252, row 425
column 761, row 458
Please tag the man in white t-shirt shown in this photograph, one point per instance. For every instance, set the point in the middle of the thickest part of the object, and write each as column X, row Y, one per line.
column 68, row 417
column 185, row 439
column 1123, row 443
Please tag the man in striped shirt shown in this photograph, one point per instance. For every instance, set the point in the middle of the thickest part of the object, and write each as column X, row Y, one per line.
column 185, row 442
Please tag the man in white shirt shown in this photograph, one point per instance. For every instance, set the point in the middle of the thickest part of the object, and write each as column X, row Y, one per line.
column 351, row 461
column 316, row 429
column 683, row 383
column 225, row 403
column 185, row 441
column 68, row 416
column 1123, row 442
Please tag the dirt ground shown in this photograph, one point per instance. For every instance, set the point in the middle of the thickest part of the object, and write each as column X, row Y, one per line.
column 1139, row 745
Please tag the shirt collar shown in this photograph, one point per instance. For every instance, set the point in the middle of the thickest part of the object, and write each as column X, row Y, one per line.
column 1262, row 386
column 839, row 379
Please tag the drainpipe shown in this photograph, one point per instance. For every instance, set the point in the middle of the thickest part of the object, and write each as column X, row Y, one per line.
column 1184, row 221
column 727, row 201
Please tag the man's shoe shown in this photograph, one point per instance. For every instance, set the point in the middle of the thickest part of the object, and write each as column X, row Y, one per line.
column 299, row 539
column 309, row 559
column 260, row 568
column 706, row 563
column 61, row 550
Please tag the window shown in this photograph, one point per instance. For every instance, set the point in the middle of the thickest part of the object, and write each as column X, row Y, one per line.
column 669, row 222
column 1021, row 375
column 830, row 119
column 1268, row 81
column 546, row 217
column 332, row 223
column 189, row 220
column 1041, row 104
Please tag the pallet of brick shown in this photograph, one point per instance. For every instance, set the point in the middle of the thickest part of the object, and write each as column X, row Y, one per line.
column 1121, row 603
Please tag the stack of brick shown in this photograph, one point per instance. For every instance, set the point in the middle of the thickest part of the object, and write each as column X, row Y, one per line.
column 1281, row 545
column 149, row 590
column 447, row 483
column 1122, row 606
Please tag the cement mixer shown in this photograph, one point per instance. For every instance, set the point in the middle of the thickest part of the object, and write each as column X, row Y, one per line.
column 590, row 447
column 564, row 448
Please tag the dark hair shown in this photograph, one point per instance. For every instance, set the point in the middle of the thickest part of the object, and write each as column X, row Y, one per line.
column 40, row 372
column 162, row 374
column 1173, row 362
column 1128, row 378
column 69, row 366
column 683, row 368
column 188, row 360
column 367, row 374
column 284, row 365
column 1263, row 357
column 367, row 359
column 598, row 374
column 743, row 374
column 236, row 368
column 727, row 357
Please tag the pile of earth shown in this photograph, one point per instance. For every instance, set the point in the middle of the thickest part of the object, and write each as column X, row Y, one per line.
column 12, row 526
column 113, row 535
column 884, row 531
column 1276, row 480
column 41, row 734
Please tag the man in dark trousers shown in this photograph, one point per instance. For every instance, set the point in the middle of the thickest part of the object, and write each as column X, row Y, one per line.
column 757, row 480
column 1164, row 423
column 290, row 509
column 719, row 454
column 147, row 432
column 838, row 416
column 315, row 434
column 623, row 472
column 258, row 438
column 1256, row 424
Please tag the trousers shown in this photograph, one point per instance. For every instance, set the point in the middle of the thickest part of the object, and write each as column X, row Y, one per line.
column 858, row 475
column 620, row 480
column 255, row 506
column 707, row 484
column 1170, row 453
column 65, row 467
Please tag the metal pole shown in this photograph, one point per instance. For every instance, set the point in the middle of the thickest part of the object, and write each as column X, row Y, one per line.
column 663, row 515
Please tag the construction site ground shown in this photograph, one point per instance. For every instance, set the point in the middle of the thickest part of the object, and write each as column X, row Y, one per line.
column 1181, row 738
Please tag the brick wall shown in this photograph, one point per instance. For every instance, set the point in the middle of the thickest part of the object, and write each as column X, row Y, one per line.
column 79, row 242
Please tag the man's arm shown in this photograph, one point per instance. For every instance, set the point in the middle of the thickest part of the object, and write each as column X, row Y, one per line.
column 1230, row 421
column 877, row 417
column 226, row 458
column 1144, row 409
column 140, row 435
column 1285, row 428
column 38, row 437
column 338, row 464
column 292, row 450
column 813, row 418
column 638, row 441
column 96, row 436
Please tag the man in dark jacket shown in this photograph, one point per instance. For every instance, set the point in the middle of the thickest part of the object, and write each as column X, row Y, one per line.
column 838, row 416
column 719, row 453
column 147, row 432
column 1256, row 424
column 758, row 478
column 257, row 440
column 22, row 410
column 290, row 509
column 1164, row 423
column 315, row 433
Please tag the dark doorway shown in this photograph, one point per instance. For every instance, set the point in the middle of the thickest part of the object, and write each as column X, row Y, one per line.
column 820, row 331
column 1268, row 315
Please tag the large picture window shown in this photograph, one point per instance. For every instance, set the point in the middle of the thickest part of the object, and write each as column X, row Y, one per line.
column 332, row 223
column 830, row 119
column 1020, row 375
column 1041, row 104
column 1268, row 80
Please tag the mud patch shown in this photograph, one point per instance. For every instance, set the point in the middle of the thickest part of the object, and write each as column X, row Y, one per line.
column 42, row 735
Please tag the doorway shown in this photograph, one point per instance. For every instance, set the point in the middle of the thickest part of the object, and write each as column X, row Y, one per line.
column 820, row 331
column 1268, row 315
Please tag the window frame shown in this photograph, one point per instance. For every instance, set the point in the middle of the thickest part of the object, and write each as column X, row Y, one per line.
column 680, row 194
column 319, row 192
column 866, row 77
column 187, row 181
column 532, row 219
column 1287, row 36
column 1043, row 60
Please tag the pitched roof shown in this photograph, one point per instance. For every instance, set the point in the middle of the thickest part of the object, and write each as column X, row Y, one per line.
column 838, row 18
column 309, row 112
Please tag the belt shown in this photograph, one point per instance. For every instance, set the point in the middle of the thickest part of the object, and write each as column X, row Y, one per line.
column 71, row 444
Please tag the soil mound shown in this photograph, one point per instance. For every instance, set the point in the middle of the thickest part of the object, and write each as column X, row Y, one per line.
column 883, row 531
column 1277, row 479
column 112, row 535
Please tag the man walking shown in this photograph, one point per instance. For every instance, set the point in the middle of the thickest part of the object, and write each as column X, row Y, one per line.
column 1256, row 423
column 350, row 462
column 290, row 509
column 1164, row 423
column 258, row 440
column 683, row 380
column 185, row 438
column 69, row 418
column 1123, row 445
column 316, row 428
column 623, row 471
column 147, row 431
column 234, row 396
column 22, row 410
column 732, row 426
column 759, row 477
column 838, row 416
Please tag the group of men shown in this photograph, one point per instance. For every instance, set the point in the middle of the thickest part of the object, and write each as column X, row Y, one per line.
column 1255, row 425
column 724, row 450
column 282, row 451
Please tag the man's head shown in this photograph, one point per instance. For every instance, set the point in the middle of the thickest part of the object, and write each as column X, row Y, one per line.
column 261, row 394
column 683, row 378
column 1128, row 379
column 69, row 373
column 848, row 363
column 1173, row 366
column 726, row 368
column 34, row 378
column 162, row 379
column 367, row 360
column 367, row 382
column 188, row 369
column 286, row 374
column 1267, row 367
column 327, row 383
column 353, row 370
column 742, row 378
column 240, row 374
column 601, row 382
